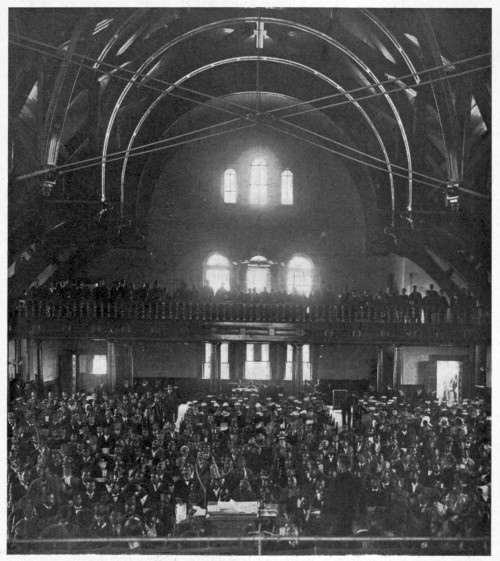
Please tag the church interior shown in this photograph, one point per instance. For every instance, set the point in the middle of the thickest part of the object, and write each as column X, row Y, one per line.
column 249, row 251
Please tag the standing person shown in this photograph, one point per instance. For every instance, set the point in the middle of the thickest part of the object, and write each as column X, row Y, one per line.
column 347, row 404
column 345, row 498
column 171, row 402
column 415, row 299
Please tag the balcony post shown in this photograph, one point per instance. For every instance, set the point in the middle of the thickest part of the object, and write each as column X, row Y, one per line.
column 396, row 373
column 380, row 368
column 215, row 383
column 111, row 374
column 297, row 368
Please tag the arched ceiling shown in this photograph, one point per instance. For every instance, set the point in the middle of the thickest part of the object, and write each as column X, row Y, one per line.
column 406, row 94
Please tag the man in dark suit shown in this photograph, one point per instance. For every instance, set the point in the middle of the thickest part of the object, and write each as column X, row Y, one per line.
column 183, row 487
column 345, row 498
column 412, row 486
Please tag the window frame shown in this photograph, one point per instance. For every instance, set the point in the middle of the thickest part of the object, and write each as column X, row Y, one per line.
column 230, row 186
column 224, row 271
column 289, row 270
column 259, row 186
column 287, row 187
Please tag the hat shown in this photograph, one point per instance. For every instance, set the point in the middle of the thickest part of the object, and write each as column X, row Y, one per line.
column 427, row 419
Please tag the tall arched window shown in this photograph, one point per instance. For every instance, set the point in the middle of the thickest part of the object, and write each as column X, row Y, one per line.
column 218, row 272
column 287, row 187
column 259, row 182
column 259, row 274
column 230, row 186
column 300, row 275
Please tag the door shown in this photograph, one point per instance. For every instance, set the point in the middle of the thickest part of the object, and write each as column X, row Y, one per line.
column 448, row 380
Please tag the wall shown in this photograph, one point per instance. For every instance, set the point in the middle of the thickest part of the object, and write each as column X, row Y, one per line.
column 188, row 220
column 344, row 362
column 168, row 360
column 50, row 357
column 412, row 356
column 408, row 274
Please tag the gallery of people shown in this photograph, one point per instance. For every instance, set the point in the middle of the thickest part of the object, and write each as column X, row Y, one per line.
column 249, row 281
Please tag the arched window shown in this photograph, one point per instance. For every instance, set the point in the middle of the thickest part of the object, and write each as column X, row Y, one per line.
column 259, row 182
column 300, row 275
column 259, row 274
column 230, row 186
column 287, row 187
column 218, row 272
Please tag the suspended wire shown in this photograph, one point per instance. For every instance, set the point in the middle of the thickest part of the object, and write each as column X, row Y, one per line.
column 339, row 94
column 351, row 157
column 390, row 81
column 111, row 158
column 385, row 170
column 133, row 82
column 378, row 94
column 184, row 143
column 132, row 72
column 73, row 166
column 413, row 172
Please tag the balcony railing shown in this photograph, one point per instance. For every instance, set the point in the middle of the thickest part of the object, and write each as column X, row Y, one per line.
column 203, row 311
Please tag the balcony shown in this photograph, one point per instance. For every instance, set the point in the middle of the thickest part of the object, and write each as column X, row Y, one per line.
column 190, row 320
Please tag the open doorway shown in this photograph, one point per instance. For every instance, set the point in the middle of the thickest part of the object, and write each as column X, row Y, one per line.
column 448, row 380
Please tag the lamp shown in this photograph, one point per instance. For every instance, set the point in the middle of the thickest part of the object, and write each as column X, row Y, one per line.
column 452, row 199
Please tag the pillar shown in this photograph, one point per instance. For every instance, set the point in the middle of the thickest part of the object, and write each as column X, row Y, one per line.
column 380, row 369
column 396, row 373
column 480, row 365
column 297, row 369
column 215, row 383
column 124, row 360
column 111, row 375
column 39, row 359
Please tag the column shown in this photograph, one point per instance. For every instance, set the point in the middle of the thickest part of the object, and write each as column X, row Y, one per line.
column 297, row 369
column 215, row 383
column 396, row 374
column 480, row 365
column 380, row 369
column 123, row 364
column 111, row 375
column 39, row 359
column 130, row 354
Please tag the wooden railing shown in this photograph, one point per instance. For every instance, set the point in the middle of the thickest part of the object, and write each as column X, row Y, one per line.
column 289, row 312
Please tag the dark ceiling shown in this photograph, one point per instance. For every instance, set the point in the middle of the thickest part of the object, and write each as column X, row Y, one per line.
column 404, row 93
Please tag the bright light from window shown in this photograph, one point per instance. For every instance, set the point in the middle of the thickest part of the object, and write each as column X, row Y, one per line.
column 306, row 362
column 218, row 272
column 99, row 365
column 258, row 278
column 224, row 361
column 287, row 187
column 258, row 182
column 289, row 362
column 207, row 365
column 258, row 274
column 300, row 276
column 230, row 186
column 256, row 369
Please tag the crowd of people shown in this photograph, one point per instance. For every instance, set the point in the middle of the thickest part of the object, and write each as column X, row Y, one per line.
column 389, row 304
column 123, row 463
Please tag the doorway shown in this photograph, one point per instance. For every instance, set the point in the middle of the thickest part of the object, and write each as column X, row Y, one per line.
column 448, row 380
